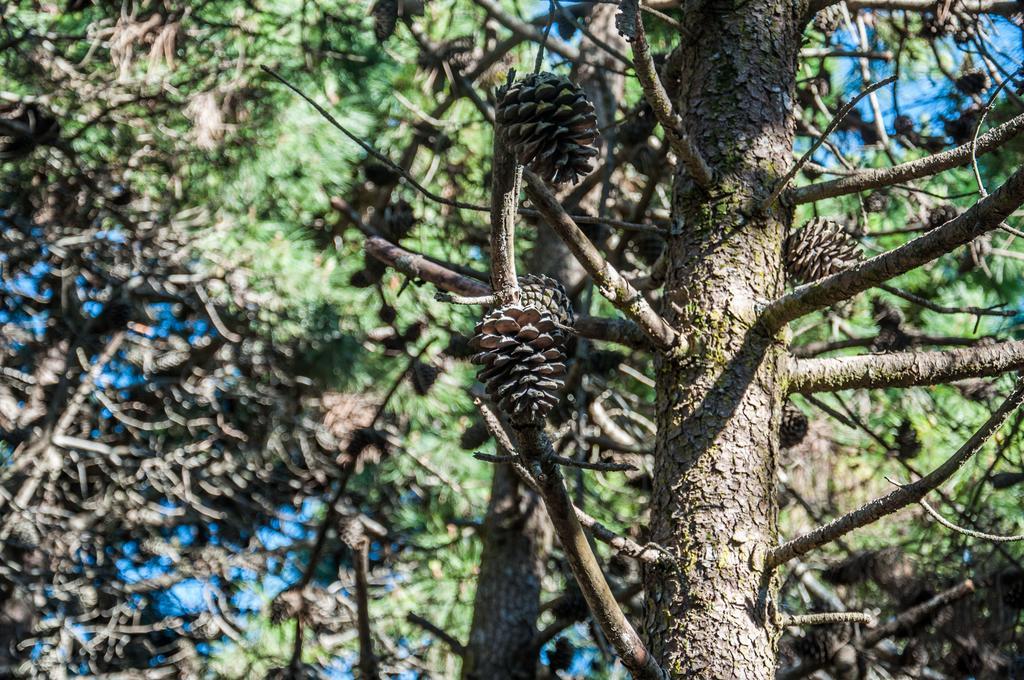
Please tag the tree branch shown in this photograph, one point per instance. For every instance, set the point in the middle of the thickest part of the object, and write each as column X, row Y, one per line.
column 621, row 331
column 993, row 538
column 528, row 31
column 903, row 496
column 904, row 369
column 441, row 634
column 534, row 445
column 651, row 553
column 506, row 178
column 982, row 217
column 826, row 619
column 609, row 281
column 829, row 129
column 922, row 167
column 657, row 97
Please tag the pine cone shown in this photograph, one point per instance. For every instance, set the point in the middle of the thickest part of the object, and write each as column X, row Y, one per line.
column 380, row 174
column 372, row 272
column 364, row 438
column 572, row 606
column 941, row 214
column 876, row 202
column 821, row 248
column 817, row 645
column 886, row 315
column 907, row 443
column 550, row 125
column 423, row 376
column 560, row 657
column 904, row 125
column 829, row 19
column 545, row 293
column 385, row 18
column 458, row 52
column 972, row 82
column 566, row 29
column 475, row 436
column 961, row 129
column 638, row 126
column 793, row 428
column 648, row 246
column 397, row 221
column 521, row 348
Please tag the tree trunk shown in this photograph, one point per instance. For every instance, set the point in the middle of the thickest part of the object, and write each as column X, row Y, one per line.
column 517, row 538
column 714, row 501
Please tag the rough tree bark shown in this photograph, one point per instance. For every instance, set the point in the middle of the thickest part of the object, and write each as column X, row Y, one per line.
column 714, row 502
column 517, row 539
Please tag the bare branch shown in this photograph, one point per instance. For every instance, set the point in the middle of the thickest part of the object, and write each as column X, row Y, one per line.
column 982, row 217
column 903, row 496
column 826, row 618
column 922, row 167
column 651, row 553
column 993, row 538
column 609, row 281
column 506, row 178
column 534, row 445
column 904, row 369
column 915, row 615
column 528, row 31
column 441, row 634
column 562, row 460
column 833, row 124
column 621, row 331
column 657, row 97
column 420, row 267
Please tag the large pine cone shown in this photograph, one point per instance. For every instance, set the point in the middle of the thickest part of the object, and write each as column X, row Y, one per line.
column 551, row 126
column 521, row 348
column 543, row 292
column 821, row 248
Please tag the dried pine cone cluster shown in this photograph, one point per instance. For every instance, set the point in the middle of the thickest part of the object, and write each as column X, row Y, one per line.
column 522, row 350
column 550, row 125
column 820, row 248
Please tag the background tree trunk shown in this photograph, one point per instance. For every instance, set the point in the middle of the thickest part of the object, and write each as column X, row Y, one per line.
column 714, row 500
column 517, row 538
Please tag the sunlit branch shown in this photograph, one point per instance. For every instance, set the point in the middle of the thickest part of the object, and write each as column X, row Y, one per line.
column 903, row 496
column 904, row 369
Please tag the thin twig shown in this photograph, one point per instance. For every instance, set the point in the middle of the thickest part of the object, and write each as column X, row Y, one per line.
column 839, row 117
column 994, row 538
column 661, row 104
column 441, row 634
column 561, row 460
